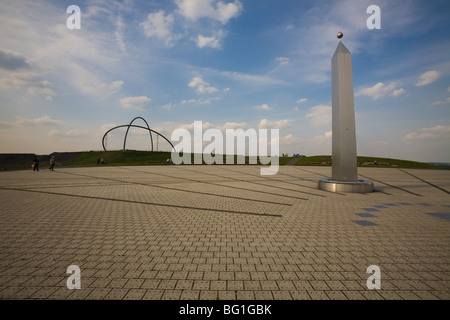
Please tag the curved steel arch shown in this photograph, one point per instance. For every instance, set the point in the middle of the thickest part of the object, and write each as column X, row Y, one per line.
column 135, row 126
column 148, row 127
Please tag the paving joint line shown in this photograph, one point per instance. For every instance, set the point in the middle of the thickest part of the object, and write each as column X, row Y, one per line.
column 174, row 189
column 431, row 184
column 280, row 195
column 214, row 184
column 142, row 202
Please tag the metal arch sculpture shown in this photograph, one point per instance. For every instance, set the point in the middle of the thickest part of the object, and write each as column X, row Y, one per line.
column 126, row 134
column 135, row 126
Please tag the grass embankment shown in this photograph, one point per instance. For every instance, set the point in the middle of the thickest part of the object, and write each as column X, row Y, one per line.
column 368, row 162
column 118, row 158
column 133, row 157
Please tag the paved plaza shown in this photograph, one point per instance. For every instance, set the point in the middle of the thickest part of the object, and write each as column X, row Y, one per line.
column 222, row 232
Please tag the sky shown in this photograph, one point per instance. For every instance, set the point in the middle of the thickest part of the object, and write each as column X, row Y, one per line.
column 228, row 63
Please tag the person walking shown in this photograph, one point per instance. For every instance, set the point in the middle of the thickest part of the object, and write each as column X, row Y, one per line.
column 52, row 163
column 36, row 164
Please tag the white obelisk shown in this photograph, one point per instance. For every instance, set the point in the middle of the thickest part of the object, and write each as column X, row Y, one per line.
column 344, row 160
column 344, row 157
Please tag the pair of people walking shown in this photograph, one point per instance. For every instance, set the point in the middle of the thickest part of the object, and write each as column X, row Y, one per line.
column 36, row 164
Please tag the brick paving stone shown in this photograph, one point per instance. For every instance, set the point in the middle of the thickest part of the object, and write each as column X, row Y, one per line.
column 300, row 295
column 282, row 295
column 117, row 283
column 44, row 293
column 184, row 284
column 208, row 295
column 234, row 285
column 319, row 285
column 227, row 295
column 80, row 294
column 353, row 295
column 135, row 294
column 171, row 295
column 218, row 285
column 167, row 284
column 170, row 248
column 150, row 284
column 134, row 283
column 98, row 293
column 116, row 294
column 189, row 295
column 153, row 295
column 318, row 295
column 336, row 295
column 245, row 295
column 200, row 285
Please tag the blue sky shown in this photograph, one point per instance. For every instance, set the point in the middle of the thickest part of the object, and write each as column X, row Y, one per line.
column 229, row 63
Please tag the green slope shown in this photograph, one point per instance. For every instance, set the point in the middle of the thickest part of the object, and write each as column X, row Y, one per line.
column 368, row 162
column 133, row 157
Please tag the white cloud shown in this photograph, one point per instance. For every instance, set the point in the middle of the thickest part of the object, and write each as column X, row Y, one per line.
column 233, row 125
column 189, row 101
column 437, row 103
column 302, row 100
column 69, row 134
column 277, row 124
column 116, row 84
column 216, row 10
column 11, row 60
column 201, row 85
column 41, row 121
column 190, row 126
column 398, row 92
column 320, row 114
column 200, row 101
column 33, row 82
column 136, row 103
column 430, row 133
column 211, row 42
column 282, row 61
column 381, row 90
column 160, row 26
column 251, row 79
column 168, row 106
column 427, row 78
column 263, row 107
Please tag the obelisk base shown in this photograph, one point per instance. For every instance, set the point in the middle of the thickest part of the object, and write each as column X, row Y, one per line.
column 360, row 186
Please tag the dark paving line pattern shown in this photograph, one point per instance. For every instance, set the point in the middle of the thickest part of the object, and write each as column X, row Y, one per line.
column 72, row 185
column 176, row 189
column 277, row 180
column 301, row 185
column 141, row 202
column 268, row 185
column 341, row 194
column 252, row 182
column 210, row 183
column 392, row 186
column 420, row 179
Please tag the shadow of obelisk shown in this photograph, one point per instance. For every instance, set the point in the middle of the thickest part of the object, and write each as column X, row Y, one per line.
column 344, row 157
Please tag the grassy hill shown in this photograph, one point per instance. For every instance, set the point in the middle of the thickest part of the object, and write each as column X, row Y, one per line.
column 368, row 162
column 133, row 157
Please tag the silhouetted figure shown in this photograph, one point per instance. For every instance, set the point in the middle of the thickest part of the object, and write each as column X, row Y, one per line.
column 52, row 163
column 36, row 164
